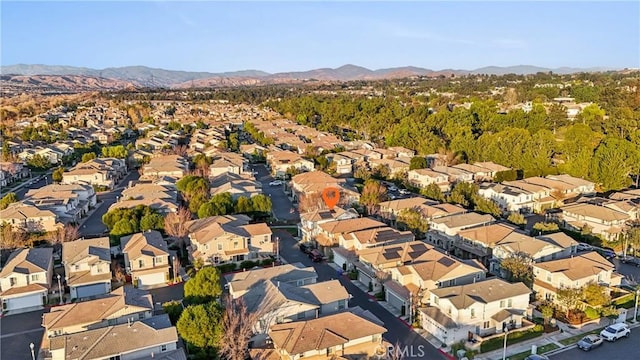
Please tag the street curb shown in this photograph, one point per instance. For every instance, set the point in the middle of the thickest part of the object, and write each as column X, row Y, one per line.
column 561, row 350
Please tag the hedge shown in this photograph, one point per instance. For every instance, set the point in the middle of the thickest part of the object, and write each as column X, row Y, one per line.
column 512, row 338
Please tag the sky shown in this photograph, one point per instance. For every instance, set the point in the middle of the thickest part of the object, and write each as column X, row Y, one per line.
column 301, row 35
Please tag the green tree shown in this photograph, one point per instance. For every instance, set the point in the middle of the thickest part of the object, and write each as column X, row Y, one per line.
column 57, row 174
column 8, row 199
column 117, row 151
column 373, row 193
column 243, row 205
column 173, row 309
column 433, row 192
column 6, row 151
column 485, row 206
column 463, row 193
column 547, row 311
column 200, row 325
column 569, row 298
column 613, row 162
column 541, row 228
column 39, row 162
column 381, row 171
column 412, row 219
column 418, row 162
column 261, row 203
column 88, row 157
column 152, row 222
column 517, row 219
column 124, row 227
column 518, row 268
column 204, row 287
column 596, row 295
column 220, row 204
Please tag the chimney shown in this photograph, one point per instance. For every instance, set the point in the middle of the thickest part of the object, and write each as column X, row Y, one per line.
column 278, row 283
column 128, row 322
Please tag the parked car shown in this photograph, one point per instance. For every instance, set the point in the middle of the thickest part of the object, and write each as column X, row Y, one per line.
column 584, row 247
column 305, row 248
column 405, row 192
column 275, row 183
column 316, row 255
column 607, row 253
column 615, row 332
column 589, row 342
column 632, row 260
column 536, row 357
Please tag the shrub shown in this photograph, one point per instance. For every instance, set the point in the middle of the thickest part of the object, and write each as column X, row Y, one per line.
column 266, row 262
column 226, row 268
column 173, row 309
column 512, row 338
column 248, row 264
column 592, row 313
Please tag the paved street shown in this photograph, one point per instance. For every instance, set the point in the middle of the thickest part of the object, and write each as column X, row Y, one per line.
column 282, row 207
column 17, row 332
column 168, row 293
column 44, row 181
column 93, row 224
column 631, row 272
column 622, row 349
column 397, row 330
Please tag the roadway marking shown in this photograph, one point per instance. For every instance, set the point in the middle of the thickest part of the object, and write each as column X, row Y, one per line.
column 21, row 333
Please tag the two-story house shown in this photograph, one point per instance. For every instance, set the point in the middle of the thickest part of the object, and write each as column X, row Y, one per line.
column 508, row 198
column 573, row 272
column 240, row 283
column 603, row 221
column 422, row 178
column 443, row 230
column 538, row 249
column 315, row 182
column 339, row 334
column 236, row 185
column 276, row 303
column 330, row 232
column 26, row 278
column 144, row 339
column 310, row 221
column 227, row 163
column 229, row 238
column 455, row 174
column 280, row 161
column 123, row 305
column 173, row 166
column 146, row 258
column 479, row 308
column 87, row 267
column 29, row 218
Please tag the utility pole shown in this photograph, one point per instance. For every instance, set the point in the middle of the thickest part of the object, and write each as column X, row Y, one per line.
column 277, row 248
column 410, row 308
column 635, row 311
column 505, row 330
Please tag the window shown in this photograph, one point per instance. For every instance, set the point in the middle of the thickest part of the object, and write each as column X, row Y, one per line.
column 77, row 267
column 436, row 300
column 485, row 325
column 140, row 316
column 235, row 244
column 99, row 269
column 510, row 303
column 12, row 281
column 112, row 322
column 140, row 263
column 159, row 260
column 163, row 347
column 342, row 304
column 501, row 303
column 473, row 313
column 220, row 247
column 35, row 277
column 548, row 277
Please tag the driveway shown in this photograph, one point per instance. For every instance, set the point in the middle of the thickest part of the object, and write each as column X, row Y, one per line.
column 93, row 225
column 283, row 209
column 397, row 330
column 17, row 332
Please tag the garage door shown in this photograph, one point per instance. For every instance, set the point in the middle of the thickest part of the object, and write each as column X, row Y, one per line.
column 339, row 259
column 91, row 290
column 24, row 302
column 363, row 278
column 394, row 300
column 151, row 279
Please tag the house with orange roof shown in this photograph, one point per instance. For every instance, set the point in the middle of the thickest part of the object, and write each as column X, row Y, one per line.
column 146, row 258
column 26, row 278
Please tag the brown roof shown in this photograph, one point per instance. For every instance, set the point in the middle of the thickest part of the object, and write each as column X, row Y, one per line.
column 434, row 265
column 97, row 310
column 466, row 219
column 24, row 289
column 149, row 243
column 78, row 250
column 396, row 253
column 24, row 211
column 318, row 334
column 484, row 292
column 28, row 261
column 258, row 229
column 115, row 340
column 380, row 235
column 351, row 225
column 578, row 267
column 315, row 177
column 488, row 234
column 407, row 203
column 595, row 211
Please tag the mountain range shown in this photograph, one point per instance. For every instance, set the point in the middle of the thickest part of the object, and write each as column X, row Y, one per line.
column 142, row 76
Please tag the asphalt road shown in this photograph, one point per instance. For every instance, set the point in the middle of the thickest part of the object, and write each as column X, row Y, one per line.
column 282, row 207
column 631, row 272
column 623, row 349
column 93, row 225
column 42, row 182
column 397, row 330
column 17, row 332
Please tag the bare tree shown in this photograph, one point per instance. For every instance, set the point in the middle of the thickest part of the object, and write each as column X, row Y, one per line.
column 118, row 272
column 66, row 233
column 175, row 224
column 12, row 237
column 181, row 150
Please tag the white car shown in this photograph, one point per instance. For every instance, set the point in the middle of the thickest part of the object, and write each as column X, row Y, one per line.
column 405, row 192
column 275, row 183
column 615, row 332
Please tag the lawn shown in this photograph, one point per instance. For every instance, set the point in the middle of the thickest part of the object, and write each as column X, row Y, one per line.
column 541, row 350
column 576, row 338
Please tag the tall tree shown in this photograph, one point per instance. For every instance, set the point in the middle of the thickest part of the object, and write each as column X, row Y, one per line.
column 413, row 220
column 518, row 268
column 204, row 287
column 433, row 192
column 373, row 193
column 200, row 325
column 418, row 162
column 12, row 237
column 57, row 175
column 569, row 298
column 7, row 200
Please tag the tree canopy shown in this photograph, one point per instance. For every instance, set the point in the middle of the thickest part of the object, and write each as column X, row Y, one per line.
column 204, row 287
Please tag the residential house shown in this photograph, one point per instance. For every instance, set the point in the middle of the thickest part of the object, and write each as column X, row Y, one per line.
column 492, row 167
column 236, row 185
column 310, row 221
column 479, row 308
column 631, row 208
column 339, row 334
column 601, row 220
column 26, row 278
column 123, row 305
column 573, row 272
column 479, row 173
column 11, row 172
column 395, row 165
column 228, row 238
column 173, row 166
column 508, row 198
column 455, row 174
column 443, row 230
column 277, row 302
column 315, row 182
column 422, row 178
column 29, row 218
column 631, row 194
column 402, row 152
column 361, row 239
column 227, row 163
column 146, row 258
column 144, row 339
column 103, row 172
column 330, row 232
column 160, row 195
column 280, row 161
column 241, row 282
column 580, row 186
column 69, row 202
column 249, row 151
column 87, row 267
column 538, row 249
